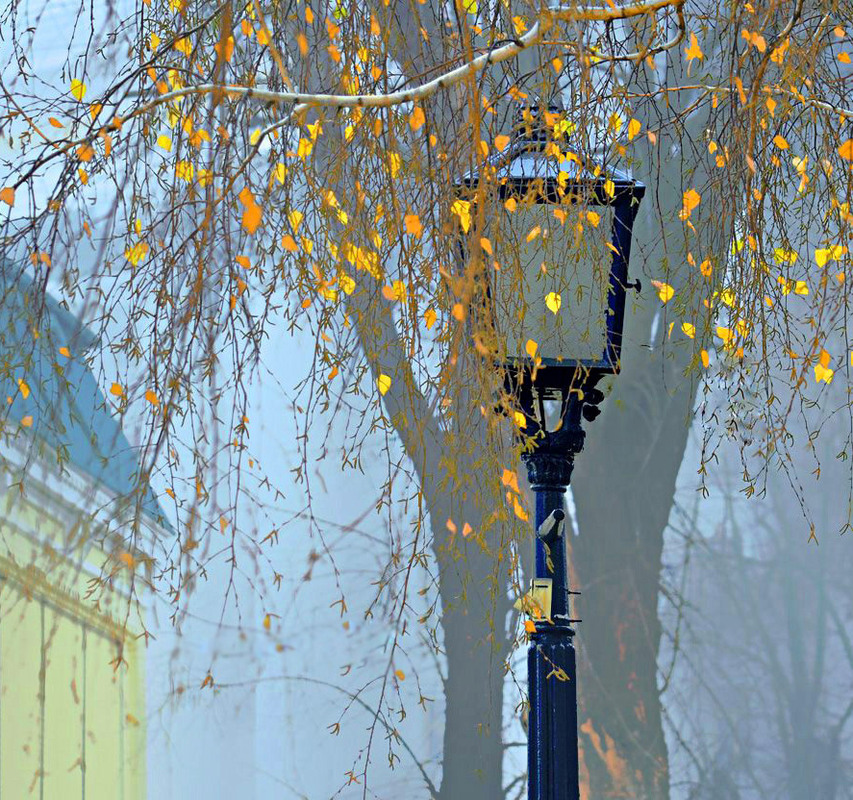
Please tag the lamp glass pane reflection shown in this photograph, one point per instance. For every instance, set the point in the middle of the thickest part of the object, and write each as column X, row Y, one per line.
column 552, row 285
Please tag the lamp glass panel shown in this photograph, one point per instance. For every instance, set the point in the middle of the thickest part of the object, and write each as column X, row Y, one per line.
column 552, row 283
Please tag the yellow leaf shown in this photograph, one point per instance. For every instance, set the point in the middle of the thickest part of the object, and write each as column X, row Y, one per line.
column 294, row 218
column 164, row 141
column 64, row 351
column 136, row 253
column 383, row 383
column 529, row 626
column 470, row 6
column 413, row 225
column 501, row 142
column 693, row 51
column 78, row 89
column 267, row 622
column 530, row 348
column 302, row 41
column 394, row 163
column 25, row 390
column 553, row 301
column 801, row 287
column 519, row 419
column 7, row 195
column 690, row 200
column 510, row 478
column 705, row 360
column 727, row 335
column 519, row 509
column 846, row 150
column 533, row 233
column 486, row 245
column 593, row 218
column 784, row 256
column 184, row 46
column 27, row 421
column 401, row 676
column 116, row 390
column 823, row 372
column 55, row 122
column 304, row 148
column 417, row 119
column 184, row 170
column 252, row 218
column 633, row 128
column 689, row 329
column 780, row 142
column 280, row 172
column 462, row 209
column 665, row 291
column 346, row 283
column 609, row 188
column 152, row 398
column 430, row 317
column 822, row 255
column 263, row 37
column 289, row 243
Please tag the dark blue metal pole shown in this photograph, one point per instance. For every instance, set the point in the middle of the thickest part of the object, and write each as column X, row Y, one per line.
column 552, row 748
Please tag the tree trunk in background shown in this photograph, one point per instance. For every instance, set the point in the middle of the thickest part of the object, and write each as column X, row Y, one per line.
column 472, row 763
column 623, row 488
column 472, row 586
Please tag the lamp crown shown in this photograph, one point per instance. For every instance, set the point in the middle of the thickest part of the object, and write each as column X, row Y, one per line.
column 531, row 121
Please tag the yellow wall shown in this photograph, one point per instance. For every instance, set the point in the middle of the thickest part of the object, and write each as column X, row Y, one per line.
column 71, row 715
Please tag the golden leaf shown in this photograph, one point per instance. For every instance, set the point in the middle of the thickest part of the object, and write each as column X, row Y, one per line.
column 665, row 291
column 501, row 142
column 78, row 89
column 430, row 317
column 184, row 171
column 413, row 225
column 7, row 195
column 690, row 200
column 693, row 51
column 383, row 383
column 634, row 128
column 553, row 301
column 136, row 253
column 417, row 119
column 689, row 329
column 116, row 390
column 846, row 150
column 462, row 209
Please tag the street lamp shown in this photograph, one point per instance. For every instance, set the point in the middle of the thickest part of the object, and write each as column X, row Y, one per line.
column 556, row 304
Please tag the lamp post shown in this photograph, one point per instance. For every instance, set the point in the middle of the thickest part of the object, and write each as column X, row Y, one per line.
column 564, row 241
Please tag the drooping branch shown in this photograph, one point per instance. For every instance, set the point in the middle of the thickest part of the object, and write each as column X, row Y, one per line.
column 498, row 55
